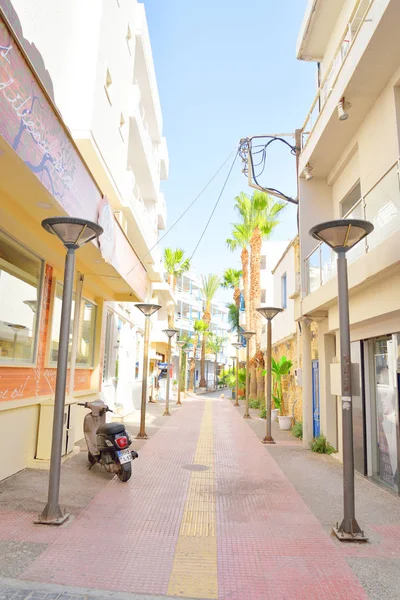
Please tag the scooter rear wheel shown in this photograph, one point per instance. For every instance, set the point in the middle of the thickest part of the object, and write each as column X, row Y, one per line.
column 125, row 474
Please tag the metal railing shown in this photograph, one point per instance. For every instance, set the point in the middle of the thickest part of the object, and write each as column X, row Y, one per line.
column 357, row 19
column 381, row 206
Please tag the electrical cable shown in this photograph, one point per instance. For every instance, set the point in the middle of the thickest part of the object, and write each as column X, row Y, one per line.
column 215, row 205
column 185, row 211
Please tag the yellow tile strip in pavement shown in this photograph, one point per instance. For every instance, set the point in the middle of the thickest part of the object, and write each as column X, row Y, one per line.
column 194, row 570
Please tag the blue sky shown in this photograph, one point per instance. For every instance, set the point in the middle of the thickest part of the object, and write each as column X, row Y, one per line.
column 225, row 70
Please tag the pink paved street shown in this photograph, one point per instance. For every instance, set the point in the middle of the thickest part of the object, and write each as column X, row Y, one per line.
column 207, row 514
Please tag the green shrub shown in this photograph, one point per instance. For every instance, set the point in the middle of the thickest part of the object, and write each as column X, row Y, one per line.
column 254, row 404
column 263, row 412
column 321, row 446
column 297, row 430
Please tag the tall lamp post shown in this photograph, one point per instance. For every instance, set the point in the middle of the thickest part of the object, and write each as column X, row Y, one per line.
column 73, row 233
column 147, row 310
column 269, row 312
column 180, row 344
column 187, row 371
column 247, row 335
column 342, row 235
column 170, row 333
column 238, row 346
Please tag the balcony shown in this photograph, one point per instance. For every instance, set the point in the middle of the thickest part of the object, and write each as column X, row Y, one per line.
column 161, row 209
column 381, row 206
column 365, row 59
column 141, row 155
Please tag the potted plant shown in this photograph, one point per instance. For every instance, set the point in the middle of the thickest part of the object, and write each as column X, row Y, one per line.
column 279, row 369
column 242, row 382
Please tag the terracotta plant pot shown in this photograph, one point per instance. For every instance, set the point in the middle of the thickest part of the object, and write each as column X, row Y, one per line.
column 285, row 423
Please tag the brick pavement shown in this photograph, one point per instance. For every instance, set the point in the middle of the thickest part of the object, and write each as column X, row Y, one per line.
column 207, row 514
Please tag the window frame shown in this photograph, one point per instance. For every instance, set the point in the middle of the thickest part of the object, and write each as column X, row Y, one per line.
column 40, row 290
column 53, row 364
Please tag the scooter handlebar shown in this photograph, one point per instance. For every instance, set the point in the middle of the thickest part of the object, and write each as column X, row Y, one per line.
column 81, row 403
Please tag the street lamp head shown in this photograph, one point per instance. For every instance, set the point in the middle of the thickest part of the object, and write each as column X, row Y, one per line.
column 342, row 234
column 180, row 343
column 269, row 312
column 148, row 309
column 232, row 357
column 187, row 350
column 32, row 304
column 248, row 334
column 237, row 345
column 170, row 332
column 73, row 232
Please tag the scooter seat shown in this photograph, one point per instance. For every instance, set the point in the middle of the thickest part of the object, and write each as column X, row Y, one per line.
column 111, row 428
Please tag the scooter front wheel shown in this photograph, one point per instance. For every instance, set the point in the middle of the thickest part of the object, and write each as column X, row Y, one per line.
column 91, row 458
column 125, row 472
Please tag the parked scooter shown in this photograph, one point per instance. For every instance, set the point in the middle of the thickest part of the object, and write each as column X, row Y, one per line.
column 107, row 443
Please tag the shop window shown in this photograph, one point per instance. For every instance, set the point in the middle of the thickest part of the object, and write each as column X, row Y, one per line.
column 20, row 295
column 86, row 330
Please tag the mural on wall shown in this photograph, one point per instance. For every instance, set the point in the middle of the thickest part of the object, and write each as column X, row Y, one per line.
column 37, row 381
column 32, row 128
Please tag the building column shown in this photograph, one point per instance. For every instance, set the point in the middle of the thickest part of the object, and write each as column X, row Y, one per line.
column 307, row 383
column 326, row 353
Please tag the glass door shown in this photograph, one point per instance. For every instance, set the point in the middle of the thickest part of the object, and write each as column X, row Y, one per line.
column 386, row 411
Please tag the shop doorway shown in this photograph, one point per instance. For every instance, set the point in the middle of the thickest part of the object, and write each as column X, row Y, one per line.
column 385, row 409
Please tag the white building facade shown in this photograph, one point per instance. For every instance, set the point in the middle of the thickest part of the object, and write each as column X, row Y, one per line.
column 349, row 167
column 95, row 60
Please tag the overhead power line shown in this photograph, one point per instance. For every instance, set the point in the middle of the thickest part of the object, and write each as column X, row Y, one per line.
column 215, row 206
column 187, row 210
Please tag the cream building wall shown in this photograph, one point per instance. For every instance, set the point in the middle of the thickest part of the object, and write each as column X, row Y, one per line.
column 362, row 150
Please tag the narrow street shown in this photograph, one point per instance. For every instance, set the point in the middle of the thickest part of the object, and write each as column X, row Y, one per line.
column 207, row 514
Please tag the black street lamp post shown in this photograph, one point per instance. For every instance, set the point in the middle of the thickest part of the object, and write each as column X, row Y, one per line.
column 342, row 235
column 73, row 233
column 268, row 312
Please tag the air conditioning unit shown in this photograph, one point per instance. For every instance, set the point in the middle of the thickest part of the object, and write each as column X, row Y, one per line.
column 122, row 221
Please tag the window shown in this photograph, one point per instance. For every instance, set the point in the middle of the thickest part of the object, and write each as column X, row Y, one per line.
column 20, row 294
column 138, row 358
column 284, row 291
column 263, row 296
column 350, row 200
column 263, row 262
column 86, row 331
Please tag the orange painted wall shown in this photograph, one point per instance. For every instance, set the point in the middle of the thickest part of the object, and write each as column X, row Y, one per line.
column 27, row 382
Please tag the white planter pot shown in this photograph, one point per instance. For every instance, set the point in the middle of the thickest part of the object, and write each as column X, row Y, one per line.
column 285, row 423
column 274, row 414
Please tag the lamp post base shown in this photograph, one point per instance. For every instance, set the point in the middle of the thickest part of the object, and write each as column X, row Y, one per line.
column 51, row 517
column 142, row 435
column 236, row 403
column 246, row 416
column 166, row 413
column 268, row 440
column 349, row 531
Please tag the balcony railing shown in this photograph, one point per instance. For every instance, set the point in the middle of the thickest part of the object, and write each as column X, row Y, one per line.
column 381, row 206
column 347, row 40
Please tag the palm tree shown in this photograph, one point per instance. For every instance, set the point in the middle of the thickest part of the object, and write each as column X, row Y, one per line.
column 210, row 285
column 233, row 318
column 200, row 328
column 231, row 280
column 264, row 211
column 241, row 235
column 175, row 264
